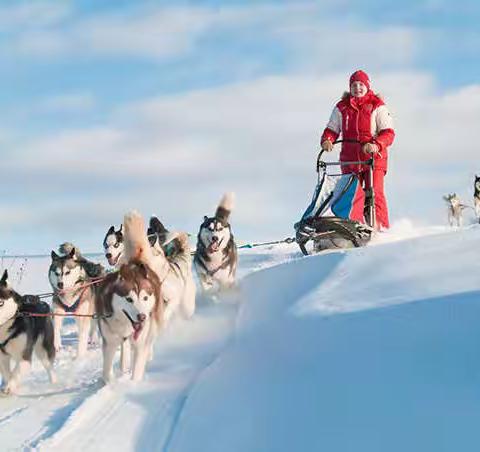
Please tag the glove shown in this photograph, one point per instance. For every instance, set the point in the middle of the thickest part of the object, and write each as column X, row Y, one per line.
column 370, row 148
column 327, row 145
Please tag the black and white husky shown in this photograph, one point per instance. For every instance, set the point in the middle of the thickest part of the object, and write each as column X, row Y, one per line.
column 72, row 279
column 158, row 235
column 216, row 255
column 113, row 245
column 21, row 335
column 476, row 196
column 454, row 209
column 170, row 252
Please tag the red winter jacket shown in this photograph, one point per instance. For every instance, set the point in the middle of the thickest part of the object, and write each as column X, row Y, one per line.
column 365, row 119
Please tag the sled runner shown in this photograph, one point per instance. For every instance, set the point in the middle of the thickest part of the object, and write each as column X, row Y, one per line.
column 327, row 223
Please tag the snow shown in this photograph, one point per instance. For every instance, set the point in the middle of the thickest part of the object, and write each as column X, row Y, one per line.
column 367, row 349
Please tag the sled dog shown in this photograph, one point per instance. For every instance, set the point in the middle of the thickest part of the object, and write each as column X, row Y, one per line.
column 157, row 236
column 113, row 245
column 174, row 272
column 131, row 306
column 476, row 196
column 72, row 278
column 21, row 335
column 140, row 295
column 455, row 209
column 216, row 255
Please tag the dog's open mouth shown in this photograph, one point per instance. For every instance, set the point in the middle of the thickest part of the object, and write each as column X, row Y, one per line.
column 113, row 260
column 214, row 246
column 137, row 325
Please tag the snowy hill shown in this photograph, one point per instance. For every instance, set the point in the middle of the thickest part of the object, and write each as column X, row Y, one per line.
column 371, row 349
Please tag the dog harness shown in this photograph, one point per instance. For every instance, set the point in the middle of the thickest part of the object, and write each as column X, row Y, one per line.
column 211, row 273
column 74, row 306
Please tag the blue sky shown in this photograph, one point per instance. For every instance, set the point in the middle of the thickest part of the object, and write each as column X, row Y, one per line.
column 162, row 106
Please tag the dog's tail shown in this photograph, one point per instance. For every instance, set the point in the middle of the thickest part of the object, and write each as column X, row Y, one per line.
column 225, row 207
column 68, row 248
column 135, row 239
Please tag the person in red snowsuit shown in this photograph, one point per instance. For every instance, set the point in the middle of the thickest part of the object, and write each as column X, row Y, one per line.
column 362, row 116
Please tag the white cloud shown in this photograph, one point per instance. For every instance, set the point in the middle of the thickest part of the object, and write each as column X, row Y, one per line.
column 157, row 33
column 148, row 33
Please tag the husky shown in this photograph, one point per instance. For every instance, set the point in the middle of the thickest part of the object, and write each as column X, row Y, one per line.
column 21, row 335
column 174, row 272
column 455, row 209
column 157, row 236
column 476, row 196
column 216, row 254
column 113, row 245
column 131, row 306
column 74, row 289
column 141, row 294
column 160, row 236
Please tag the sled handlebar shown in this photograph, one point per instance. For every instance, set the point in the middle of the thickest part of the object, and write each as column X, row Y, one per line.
column 323, row 164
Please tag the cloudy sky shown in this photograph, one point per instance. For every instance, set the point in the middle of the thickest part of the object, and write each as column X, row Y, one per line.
column 163, row 106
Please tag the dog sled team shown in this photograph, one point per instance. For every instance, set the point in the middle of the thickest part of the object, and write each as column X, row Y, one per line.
column 150, row 280
column 151, row 277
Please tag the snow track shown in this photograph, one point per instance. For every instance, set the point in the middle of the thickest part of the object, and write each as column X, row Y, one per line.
column 125, row 416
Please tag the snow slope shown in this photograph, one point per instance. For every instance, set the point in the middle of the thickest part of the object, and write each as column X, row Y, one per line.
column 317, row 366
column 371, row 349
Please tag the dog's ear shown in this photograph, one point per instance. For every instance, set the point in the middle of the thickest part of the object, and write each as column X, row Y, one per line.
column 54, row 256
column 205, row 219
column 71, row 255
column 3, row 281
column 121, row 228
column 111, row 230
column 157, row 225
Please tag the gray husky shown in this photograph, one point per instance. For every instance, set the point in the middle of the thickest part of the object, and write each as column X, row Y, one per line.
column 72, row 279
column 216, row 254
column 22, row 334
column 455, row 209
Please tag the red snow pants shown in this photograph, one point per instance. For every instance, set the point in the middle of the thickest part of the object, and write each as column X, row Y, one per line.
column 381, row 209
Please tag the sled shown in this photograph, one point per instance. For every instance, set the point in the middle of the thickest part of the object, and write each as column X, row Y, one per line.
column 326, row 223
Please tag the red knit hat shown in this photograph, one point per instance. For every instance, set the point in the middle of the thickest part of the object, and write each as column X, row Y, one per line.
column 360, row 76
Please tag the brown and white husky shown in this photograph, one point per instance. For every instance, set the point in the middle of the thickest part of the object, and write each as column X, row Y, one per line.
column 139, row 298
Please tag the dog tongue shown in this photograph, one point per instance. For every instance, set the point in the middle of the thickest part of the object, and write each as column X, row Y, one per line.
column 213, row 247
column 137, row 329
